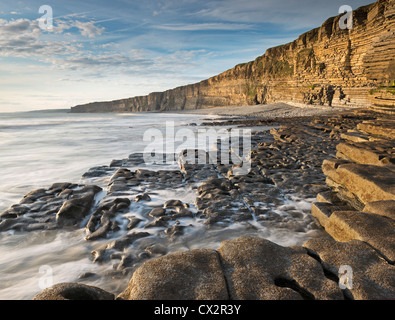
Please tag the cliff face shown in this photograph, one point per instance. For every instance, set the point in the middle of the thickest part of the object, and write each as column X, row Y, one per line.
column 325, row 66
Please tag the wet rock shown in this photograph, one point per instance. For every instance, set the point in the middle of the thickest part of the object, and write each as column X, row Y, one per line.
column 175, row 230
column 126, row 262
column 88, row 275
column 8, row 224
column 215, row 184
column 103, row 220
column 126, row 241
column 156, row 249
column 158, row 223
column 136, row 159
column 174, row 204
column 73, row 291
column 144, row 256
column 74, row 210
column 61, row 186
column 196, row 165
column 181, row 212
column 100, row 256
column 142, row 197
column 133, row 223
column 33, row 196
column 157, row 212
column 63, row 204
column 117, row 163
column 15, row 211
column 100, row 232
column 97, row 172
column 125, row 180
column 8, row 214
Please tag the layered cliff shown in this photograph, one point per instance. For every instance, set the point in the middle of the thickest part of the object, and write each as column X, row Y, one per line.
column 325, row 66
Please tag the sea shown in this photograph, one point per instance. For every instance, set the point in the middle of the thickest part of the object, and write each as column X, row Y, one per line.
column 39, row 148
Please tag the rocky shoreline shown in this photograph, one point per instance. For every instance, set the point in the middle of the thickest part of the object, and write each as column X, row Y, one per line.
column 345, row 161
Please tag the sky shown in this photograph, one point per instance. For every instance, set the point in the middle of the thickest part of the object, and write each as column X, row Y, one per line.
column 106, row 50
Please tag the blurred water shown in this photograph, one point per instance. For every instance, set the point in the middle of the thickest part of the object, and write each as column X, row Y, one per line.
column 38, row 149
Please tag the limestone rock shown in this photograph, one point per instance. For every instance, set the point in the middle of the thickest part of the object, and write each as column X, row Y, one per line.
column 368, row 183
column 382, row 128
column 383, row 208
column 322, row 211
column 376, row 230
column 372, row 277
column 257, row 269
column 366, row 153
column 191, row 275
column 354, row 136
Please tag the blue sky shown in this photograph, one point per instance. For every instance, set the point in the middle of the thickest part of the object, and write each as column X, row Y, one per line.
column 105, row 50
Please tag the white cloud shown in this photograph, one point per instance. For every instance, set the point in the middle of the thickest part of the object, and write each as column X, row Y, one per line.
column 22, row 38
column 202, row 26
column 100, row 62
column 88, row 29
column 9, row 28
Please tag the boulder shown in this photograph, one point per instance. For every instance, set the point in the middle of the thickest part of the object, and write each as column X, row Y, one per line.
column 191, row 275
column 73, row 291
column 257, row 269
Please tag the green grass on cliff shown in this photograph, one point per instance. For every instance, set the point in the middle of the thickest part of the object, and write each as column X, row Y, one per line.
column 251, row 90
column 390, row 89
column 242, row 64
column 281, row 68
